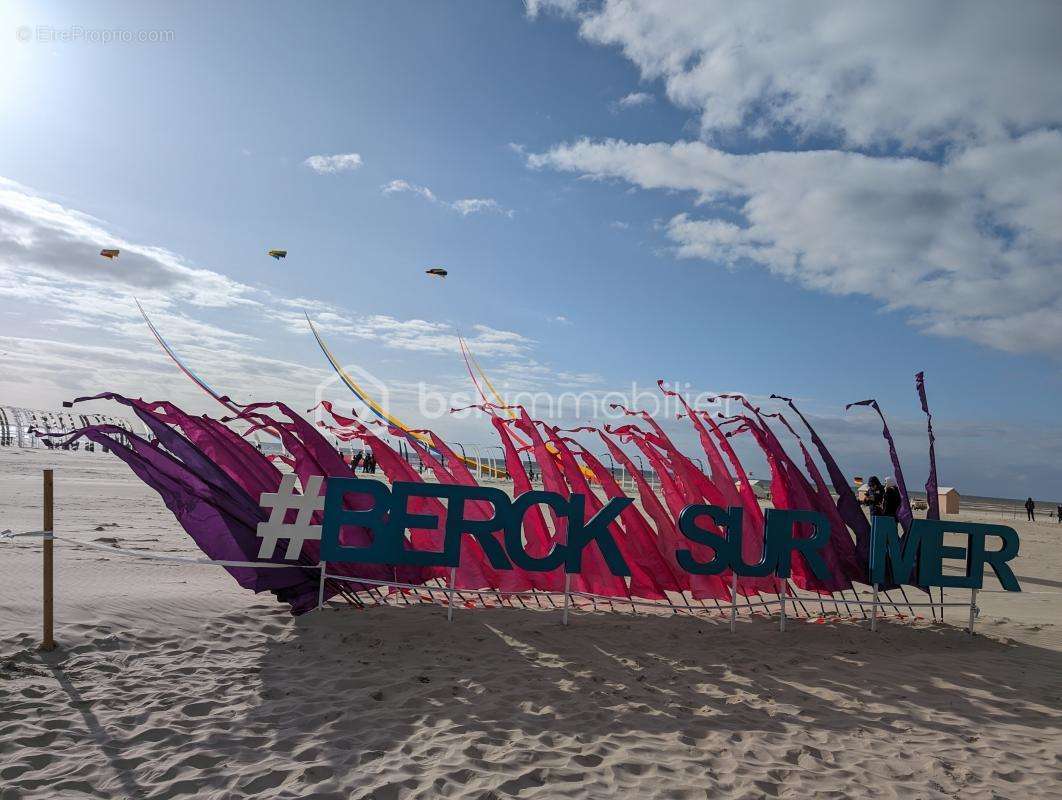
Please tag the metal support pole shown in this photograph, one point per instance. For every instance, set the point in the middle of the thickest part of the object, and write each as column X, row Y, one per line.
column 733, row 603
column 781, row 619
column 874, row 610
column 567, row 597
column 320, row 587
column 453, row 581
column 973, row 609
column 48, row 638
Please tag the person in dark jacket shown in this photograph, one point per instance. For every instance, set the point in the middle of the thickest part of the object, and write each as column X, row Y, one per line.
column 1030, row 509
column 891, row 500
column 874, row 496
column 356, row 461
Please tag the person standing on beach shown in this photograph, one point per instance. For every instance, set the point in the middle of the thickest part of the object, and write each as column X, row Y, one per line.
column 1060, row 512
column 875, row 496
column 1030, row 509
column 890, row 500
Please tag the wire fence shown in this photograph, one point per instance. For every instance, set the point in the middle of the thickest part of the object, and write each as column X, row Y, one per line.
column 363, row 592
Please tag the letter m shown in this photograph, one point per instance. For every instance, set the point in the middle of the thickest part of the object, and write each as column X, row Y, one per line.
column 893, row 558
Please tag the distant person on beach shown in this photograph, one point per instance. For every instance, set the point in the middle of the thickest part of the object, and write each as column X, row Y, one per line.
column 875, row 496
column 1030, row 509
column 356, row 461
column 891, row 500
column 1060, row 513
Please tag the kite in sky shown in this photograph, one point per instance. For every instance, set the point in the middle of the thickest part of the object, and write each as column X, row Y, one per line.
column 278, row 254
column 111, row 254
column 438, row 272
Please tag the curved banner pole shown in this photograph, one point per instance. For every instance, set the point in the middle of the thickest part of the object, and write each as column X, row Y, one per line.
column 375, row 407
column 470, row 362
column 202, row 384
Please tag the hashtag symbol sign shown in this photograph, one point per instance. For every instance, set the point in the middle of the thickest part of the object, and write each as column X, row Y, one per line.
column 283, row 501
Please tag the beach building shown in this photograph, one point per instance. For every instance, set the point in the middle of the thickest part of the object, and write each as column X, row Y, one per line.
column 762, row 489
column 949, row 499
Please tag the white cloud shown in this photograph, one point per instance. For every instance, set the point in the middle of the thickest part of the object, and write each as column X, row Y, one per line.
column 534, row 7
column 417, row 335
column 464, row 207
column 49, row 246
column 618, row 225
column 870, row 73
column 959, row 230
column 340, row 162
column 970, row 247
column 560, row 319
column 633, row 100
column 405, row 186
column 476, row 205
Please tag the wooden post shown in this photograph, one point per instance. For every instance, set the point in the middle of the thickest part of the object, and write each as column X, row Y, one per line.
column 874, row 610
column 48, row 640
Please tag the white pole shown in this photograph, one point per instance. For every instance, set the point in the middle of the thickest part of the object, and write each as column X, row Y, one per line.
column 973, row 609
column 733, row 603
column 874, row 610
column 781, row 619
column 567, row 596
column 320, row 587
column 453, row 580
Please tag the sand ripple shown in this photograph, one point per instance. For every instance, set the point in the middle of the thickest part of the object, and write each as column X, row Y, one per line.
column 395, row 703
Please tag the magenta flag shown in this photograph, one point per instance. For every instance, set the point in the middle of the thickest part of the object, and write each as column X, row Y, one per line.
column 506, row 580
column 667, row 539
column 596, row 577
column 677, row 495
column 314, row 456
column 932, row 492
column 642, row 581
column 840, row 540
column 539, row 540
column 720, row 475
column 904, row 515
column 847, row 503
column 640, row 536
column 220, row 530
column 787, row 493
column 681, row 465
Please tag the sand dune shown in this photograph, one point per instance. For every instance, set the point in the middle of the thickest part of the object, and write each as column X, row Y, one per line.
column 171, row 682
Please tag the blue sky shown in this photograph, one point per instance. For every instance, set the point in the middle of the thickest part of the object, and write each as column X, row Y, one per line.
column 818, row 206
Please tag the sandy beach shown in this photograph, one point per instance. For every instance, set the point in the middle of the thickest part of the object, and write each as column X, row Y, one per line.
column 170, row 681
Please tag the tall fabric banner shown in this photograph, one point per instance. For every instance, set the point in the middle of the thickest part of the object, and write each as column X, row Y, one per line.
column 904, row 515
column 932, row 493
